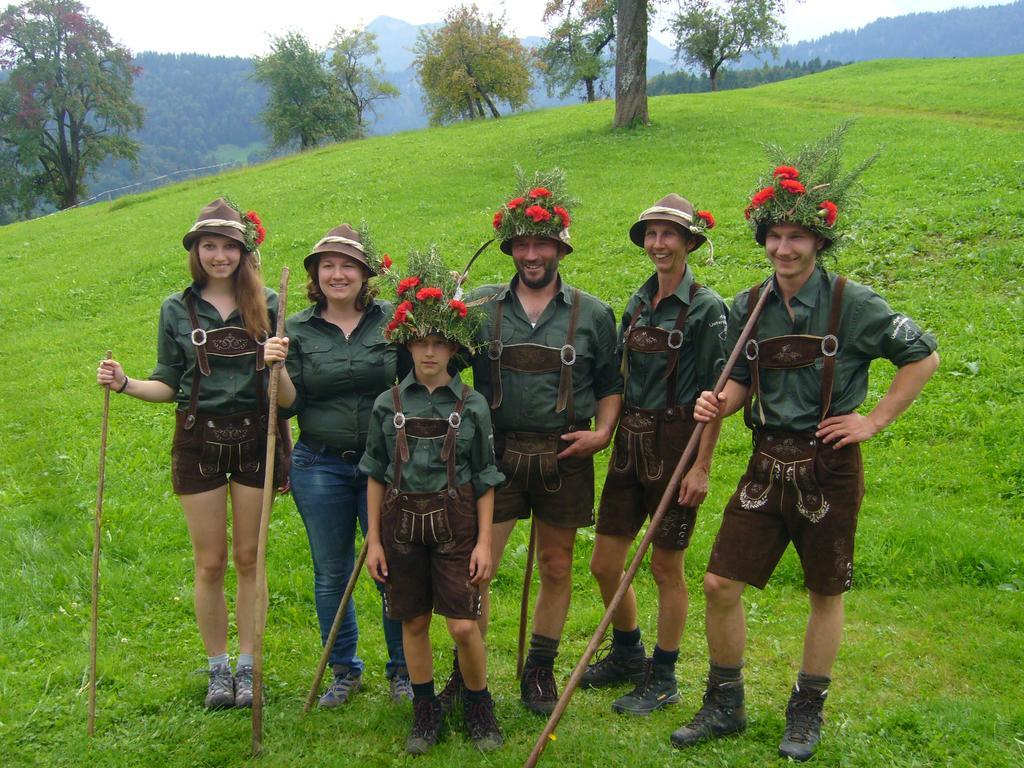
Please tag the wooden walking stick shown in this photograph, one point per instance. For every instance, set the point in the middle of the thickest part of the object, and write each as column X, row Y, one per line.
column 524, row 606
column 645, row 542
column 96, row 530
column 318, row 678
column 261, row 547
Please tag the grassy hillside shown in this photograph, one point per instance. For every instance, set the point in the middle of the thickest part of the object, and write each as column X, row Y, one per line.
column 931, row 668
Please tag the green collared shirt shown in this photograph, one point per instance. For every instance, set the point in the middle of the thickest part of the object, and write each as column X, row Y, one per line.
column 701, row 356
column 529, row 399
column 868, row 328
column 337, row 379
column 231, row 385
column 426, row 470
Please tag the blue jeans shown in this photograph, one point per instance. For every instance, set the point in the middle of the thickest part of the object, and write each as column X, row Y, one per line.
column 331, row 495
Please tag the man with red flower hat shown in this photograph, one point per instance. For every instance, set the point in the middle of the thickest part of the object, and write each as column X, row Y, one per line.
column 548, row 369
column 800, row 380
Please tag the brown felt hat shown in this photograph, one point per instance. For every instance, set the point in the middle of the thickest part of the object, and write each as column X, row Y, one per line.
column 343, row 240
column 217, row 218
column 675, row 209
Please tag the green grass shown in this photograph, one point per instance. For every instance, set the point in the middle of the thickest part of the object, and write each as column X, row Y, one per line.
column 930, row 672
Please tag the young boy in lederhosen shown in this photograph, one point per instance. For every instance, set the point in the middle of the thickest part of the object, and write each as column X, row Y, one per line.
column 430, row 498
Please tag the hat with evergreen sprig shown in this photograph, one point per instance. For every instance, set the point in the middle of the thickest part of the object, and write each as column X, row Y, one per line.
column 539, row 209
column 426, row 304
column 356, row 244
column 809, row 189
column 223, row 217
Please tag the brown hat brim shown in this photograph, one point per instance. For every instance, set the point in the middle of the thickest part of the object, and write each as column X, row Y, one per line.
column 193, row 235
column 639, row 229
column 506, row 245
column 340, row 248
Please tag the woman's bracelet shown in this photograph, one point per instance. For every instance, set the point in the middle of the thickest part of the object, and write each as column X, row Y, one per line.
column 124, row 386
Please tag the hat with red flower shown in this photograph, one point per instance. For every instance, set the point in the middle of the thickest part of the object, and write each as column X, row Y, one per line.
column 808, row 189
column 540, row 208
column 426, row 303
column 355, row 244
column 223, row 217
column 678, row 210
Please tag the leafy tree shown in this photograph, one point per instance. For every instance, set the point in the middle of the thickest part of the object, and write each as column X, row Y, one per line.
column 708, row 35
column 359, row 80
column 574, row 55
column 304, row 102
column 631, row 64
column 66, row 104
column 468, row 63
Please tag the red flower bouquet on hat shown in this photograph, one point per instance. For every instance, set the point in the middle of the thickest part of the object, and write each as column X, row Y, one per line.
column 539, row 209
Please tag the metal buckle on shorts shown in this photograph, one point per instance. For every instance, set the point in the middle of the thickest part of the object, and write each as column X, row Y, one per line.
column 675, row 335
column 751, row 350
column 454, row 420
column 570, row 358
column 399, row 420
column 201, row 335
column 494, row 349
column 824, row 345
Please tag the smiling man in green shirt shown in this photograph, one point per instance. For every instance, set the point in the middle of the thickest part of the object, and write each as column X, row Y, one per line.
column 801, row 378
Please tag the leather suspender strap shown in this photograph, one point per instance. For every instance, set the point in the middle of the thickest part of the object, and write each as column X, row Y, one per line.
column 624, row 366
column 202, row 362
column 494, row 353
column 755, row 377
column 447, row 448
column 676, row 335
column 565, row 387
column 830, row 346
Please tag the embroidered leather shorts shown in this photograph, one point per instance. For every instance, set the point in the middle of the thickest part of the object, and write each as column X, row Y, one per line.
column 648, row 444
column 203, row 458
column 797, row 489
column 428, row 539
column 559, row 491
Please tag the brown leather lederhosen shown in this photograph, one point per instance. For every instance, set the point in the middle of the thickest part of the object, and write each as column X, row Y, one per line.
column 229, row 442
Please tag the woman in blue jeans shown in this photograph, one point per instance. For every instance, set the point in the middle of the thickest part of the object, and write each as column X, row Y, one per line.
column 337, row 362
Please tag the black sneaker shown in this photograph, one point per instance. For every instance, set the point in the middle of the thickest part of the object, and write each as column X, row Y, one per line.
column 656, row 689
column 537, row 689
column 481, row 725
column 426, row 726
column 722, row 713
column 451, row 697
column 220, row 693
column 803, row 723
column 243, row 686
column 619, row 664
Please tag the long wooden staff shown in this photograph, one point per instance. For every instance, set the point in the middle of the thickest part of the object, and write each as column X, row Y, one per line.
column 96, row 530
column 524, row 606
column 645, row 542
column 318, row 678
column 261, row 548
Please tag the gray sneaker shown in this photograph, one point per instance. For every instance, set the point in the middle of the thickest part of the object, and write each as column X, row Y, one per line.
column 220, row 693
column 345, row 683
column 657, row 689
column 401, row 686
column 803, row 724
column 616, row 666
column 722, row 713
column 243, row 686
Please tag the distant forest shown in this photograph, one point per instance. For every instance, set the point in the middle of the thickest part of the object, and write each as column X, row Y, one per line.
column 685, row 82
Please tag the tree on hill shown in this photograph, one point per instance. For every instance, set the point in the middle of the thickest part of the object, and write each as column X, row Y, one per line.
column 304, row 104
column 708, row 35
column 357, row 67
column 574, row 55
column 470, row 63
column 631, row 21
column 66, row 104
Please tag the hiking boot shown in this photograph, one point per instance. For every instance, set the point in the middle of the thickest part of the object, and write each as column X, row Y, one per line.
column 537, row 689
column 722, row 713
column 618, row 664
column 426, row 726
column 481, row 724
column 220, row 693
column 243, row 686
column 346, row 682
column 401, row 686
column 803, row 723
column 656, row 689
column 451, row 697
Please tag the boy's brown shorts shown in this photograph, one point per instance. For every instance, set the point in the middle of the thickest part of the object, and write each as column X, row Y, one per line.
column 797, row 489
column 215, row 447
column 559, row 491
column 648, row 444
column 428, row 539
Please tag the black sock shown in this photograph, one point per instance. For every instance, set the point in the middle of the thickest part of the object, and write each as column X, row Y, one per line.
column 668, row 658
column 818, row 683
column 626, row 638
column 423, row 691
column 543, row 651
column 482, row 695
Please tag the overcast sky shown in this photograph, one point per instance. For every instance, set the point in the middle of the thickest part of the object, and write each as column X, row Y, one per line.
column 233, row 28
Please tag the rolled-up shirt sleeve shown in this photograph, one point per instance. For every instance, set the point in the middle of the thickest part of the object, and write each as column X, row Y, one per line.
column 170, row 358
column 374, row 462
column 482, row 461
column 881, row 332
column 607, row 373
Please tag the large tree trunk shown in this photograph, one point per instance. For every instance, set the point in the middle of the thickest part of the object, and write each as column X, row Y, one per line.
column 631, row 63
